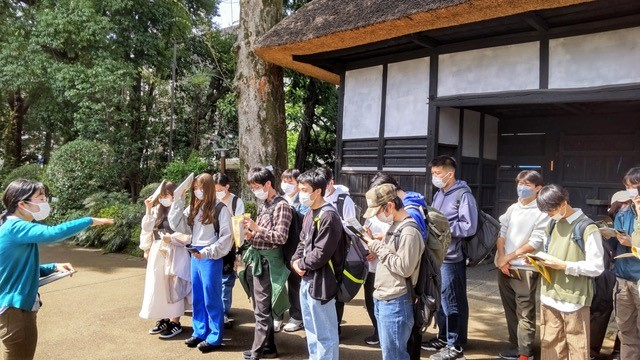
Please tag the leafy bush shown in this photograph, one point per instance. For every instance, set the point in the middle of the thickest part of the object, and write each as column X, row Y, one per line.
column 77, row 170
column 117, row 237
column 29, row 171
column 178, row 170
column 251, row 208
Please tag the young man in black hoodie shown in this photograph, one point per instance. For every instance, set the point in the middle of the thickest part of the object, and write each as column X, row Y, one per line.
column 319, row 257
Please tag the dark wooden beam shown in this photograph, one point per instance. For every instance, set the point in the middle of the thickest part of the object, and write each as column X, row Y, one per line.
column 339, row 141
column 383, row 107
column 424, row 41
column 536, row 22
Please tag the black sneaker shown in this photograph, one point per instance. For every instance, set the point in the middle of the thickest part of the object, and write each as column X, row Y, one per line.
column 266, row 354
column 434, row 344
column 372, row 340
column 448, row 353
column 511, row 354
column 205, row 347
column 161, row 326
column 173, row 329
column 193, row 341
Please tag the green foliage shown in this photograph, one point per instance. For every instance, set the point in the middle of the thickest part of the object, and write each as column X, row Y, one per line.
column 251, row 208
column 29, row 171
column 178, row 170
column 147, row 191
column 78, row 169
column 117, row 237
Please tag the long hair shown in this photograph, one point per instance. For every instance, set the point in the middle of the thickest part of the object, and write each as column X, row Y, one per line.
column 167, row 189
column 207, row 204
column 17, row 191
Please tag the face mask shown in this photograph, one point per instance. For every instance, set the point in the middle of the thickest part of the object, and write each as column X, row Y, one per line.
column 439, row 182
column 525, row 192
column 261, row 194
column 305, row 199
column 43, row 213
column 199, row 194
column 166, row 202
column 557, row 217
column 288, row 188
column 221, row 194
column 632, row 192
column 387, row 219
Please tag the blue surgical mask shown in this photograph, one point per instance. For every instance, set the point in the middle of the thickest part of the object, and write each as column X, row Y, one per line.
column 525, row 192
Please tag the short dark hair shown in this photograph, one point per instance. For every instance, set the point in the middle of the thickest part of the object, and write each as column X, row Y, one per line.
column 551, row 197
column 530, row 176
column 221, row 179
column 314, row 178
column 328, row 174
column 397, row 202
column 632, row 177
column 260, row 175
column 382, row 178
column 443, row 161
column 20, row 190
column 291, row 174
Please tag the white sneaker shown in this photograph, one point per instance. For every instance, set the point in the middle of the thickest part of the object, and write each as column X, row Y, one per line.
column 293, row 325
column 277, row 326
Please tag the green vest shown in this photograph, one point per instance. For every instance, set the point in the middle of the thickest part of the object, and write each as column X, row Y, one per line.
column 568, row 288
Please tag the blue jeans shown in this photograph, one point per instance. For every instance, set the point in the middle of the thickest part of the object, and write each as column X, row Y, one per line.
column 320, row 325
column 395, row 320
column 208, row 313
column 228, row 281
column 453, row 320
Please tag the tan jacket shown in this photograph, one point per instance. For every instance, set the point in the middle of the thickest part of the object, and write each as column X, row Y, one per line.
column 397, row 264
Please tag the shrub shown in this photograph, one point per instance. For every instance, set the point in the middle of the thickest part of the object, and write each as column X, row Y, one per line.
column 251, row 208
column 28, row 171
column 178, row 170
column 77, row 170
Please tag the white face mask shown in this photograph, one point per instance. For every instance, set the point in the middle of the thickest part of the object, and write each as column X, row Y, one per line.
column 261, row 194
column 439, row 181
column 305, row 199
column 42, row 213
column 557, row 217
column 166, row 202
column 221, row 194
column 632, row 192
column 387, row 219
column 288, row 188
column 199, row 194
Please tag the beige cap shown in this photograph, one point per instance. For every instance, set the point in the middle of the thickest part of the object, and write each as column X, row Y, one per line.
column 377, row 197
column 620, row 196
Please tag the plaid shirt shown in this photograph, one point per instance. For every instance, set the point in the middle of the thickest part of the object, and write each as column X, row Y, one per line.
column 276, row 233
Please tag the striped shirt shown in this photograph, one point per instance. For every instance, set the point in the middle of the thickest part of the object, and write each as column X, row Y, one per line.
column 274, row 233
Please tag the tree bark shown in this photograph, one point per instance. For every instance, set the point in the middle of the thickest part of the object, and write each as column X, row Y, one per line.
column 260, row 91
column 304, row 137
column 13, row 130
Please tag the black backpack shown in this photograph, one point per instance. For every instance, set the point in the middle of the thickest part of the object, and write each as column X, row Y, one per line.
column 426, row 294
column 340, row 207
column 293, row 237
column 481, row 245
column 229, row 259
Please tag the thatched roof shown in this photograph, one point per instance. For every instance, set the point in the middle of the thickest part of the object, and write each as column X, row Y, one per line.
column 326, row 25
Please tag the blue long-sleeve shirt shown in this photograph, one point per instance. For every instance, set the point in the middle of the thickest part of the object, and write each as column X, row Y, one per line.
column 626, row 268
column 20, row 267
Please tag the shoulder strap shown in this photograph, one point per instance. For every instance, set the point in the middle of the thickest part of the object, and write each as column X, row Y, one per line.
column 460, row 193
column 425, row 212
column 234, row 205
column 340, row 204
column 396, row 234
column 578, row 231
column 276, row 201
column 551, row 226
column 216, row 225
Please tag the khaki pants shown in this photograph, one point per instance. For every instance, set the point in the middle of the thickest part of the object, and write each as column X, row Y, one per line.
column 565, row 336
column 628, row 318
column 519, row 302
column 18, row 333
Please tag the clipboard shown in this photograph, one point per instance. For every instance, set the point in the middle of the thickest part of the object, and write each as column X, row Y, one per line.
column 54, row 277
column 156, row 194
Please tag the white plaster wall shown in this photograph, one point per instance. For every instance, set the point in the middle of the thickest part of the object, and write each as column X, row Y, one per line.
column 362, row 103
column 449, row 126
column 607, row 58
column 490, row 150
column 501, row 68
column 407, row 108
column 471, row 134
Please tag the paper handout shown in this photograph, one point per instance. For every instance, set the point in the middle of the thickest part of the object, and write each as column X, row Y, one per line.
column 156, row 194
column 632, row 254
column 54, row 277
column 537, row 262
column 238, row 230
column 185, row 185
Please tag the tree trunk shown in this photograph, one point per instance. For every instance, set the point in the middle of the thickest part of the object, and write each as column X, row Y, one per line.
column 48, row 144
column 304, row 137
column 13, row 130
column 260, row 91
